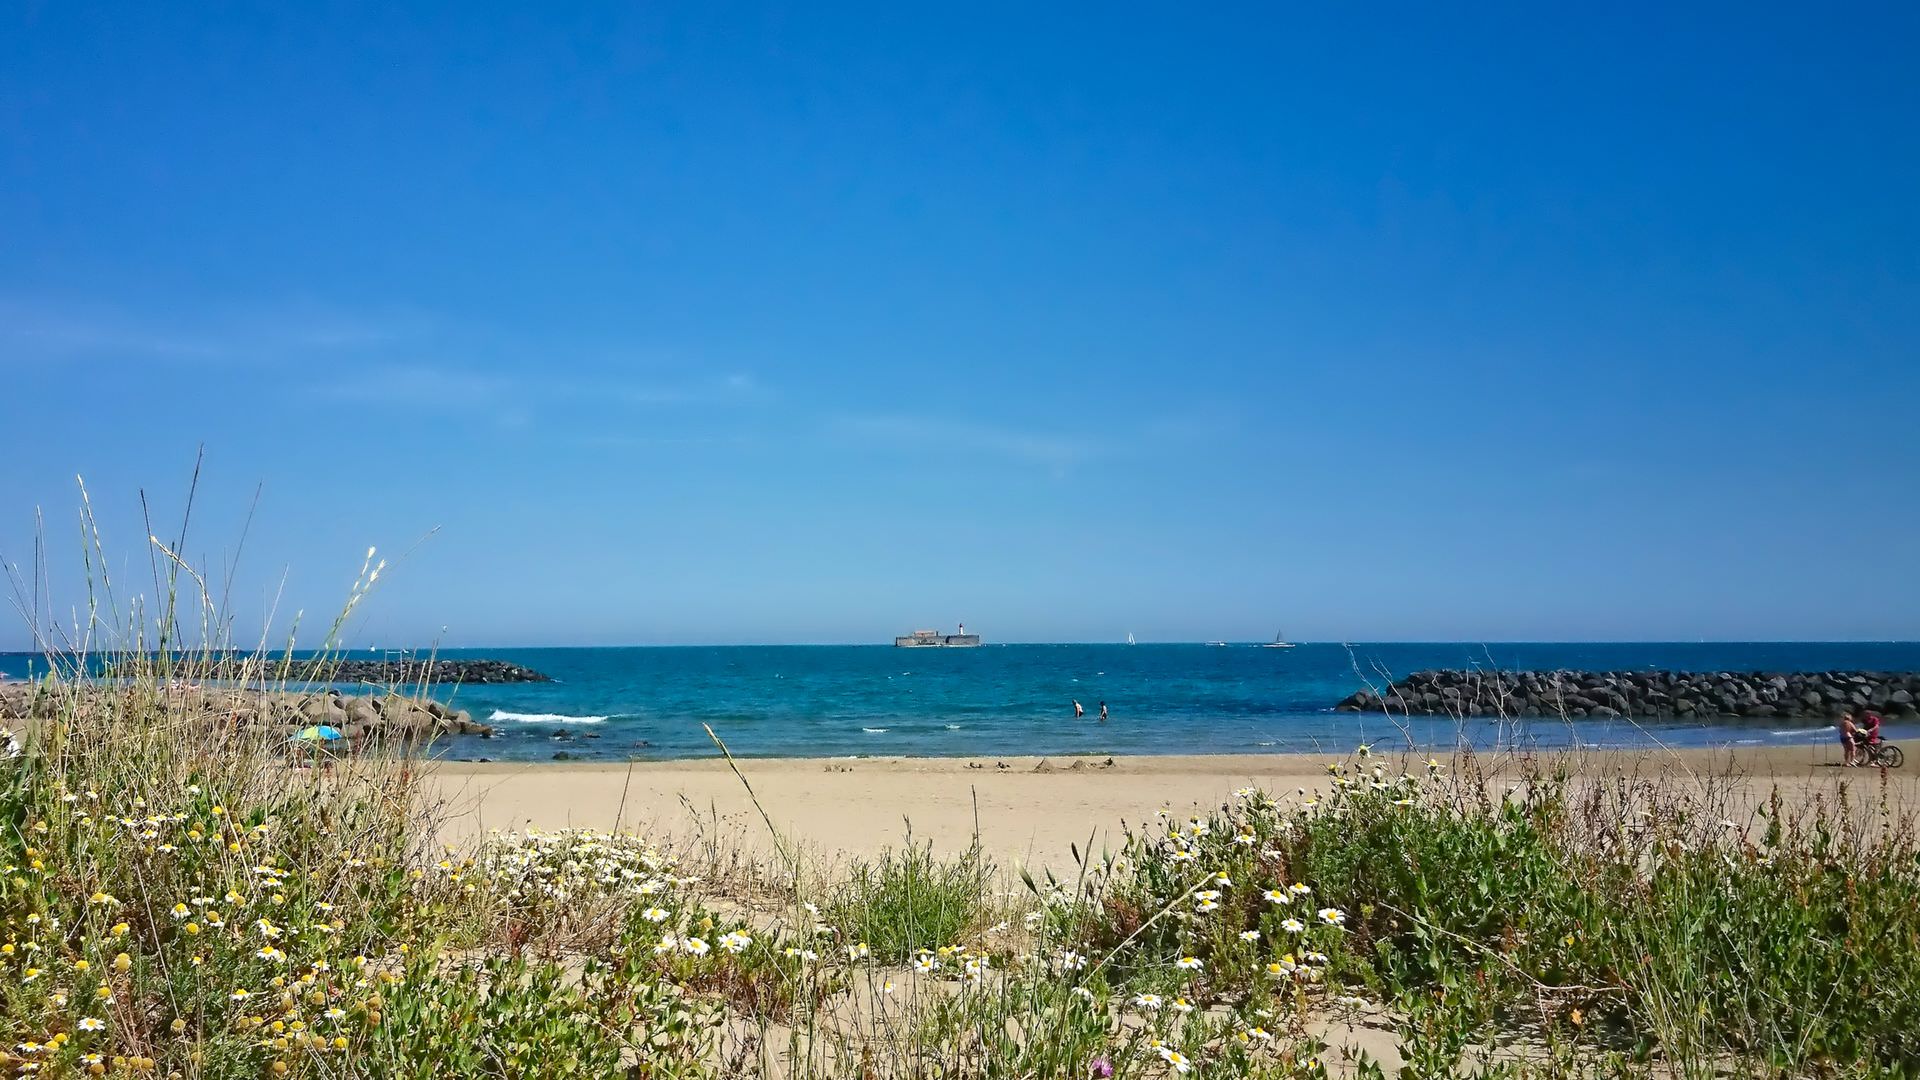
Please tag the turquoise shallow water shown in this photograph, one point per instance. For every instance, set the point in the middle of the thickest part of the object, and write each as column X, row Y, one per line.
column 1017, row 699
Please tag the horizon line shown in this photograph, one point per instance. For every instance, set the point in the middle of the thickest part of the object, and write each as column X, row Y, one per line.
column 1472, row 642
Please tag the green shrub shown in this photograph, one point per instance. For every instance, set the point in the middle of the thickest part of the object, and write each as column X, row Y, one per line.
column 909, row 901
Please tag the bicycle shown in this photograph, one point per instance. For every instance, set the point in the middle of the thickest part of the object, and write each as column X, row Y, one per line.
column 1884, row 754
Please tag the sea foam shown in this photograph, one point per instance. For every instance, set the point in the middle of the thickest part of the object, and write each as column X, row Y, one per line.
column 544, row 718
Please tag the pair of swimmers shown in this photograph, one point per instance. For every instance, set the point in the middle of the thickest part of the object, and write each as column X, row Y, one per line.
column 1080, row 711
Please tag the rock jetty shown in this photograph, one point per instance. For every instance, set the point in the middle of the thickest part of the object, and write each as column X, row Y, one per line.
column 402, row 672
column 1649, row 694
column 368, row 718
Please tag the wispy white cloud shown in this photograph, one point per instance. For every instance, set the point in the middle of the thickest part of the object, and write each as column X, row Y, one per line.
column 76, row 339
column 514, row 399
column 624, row 441
column 909, row 433
column 737, row 387
column 416, row 386
column 41, row 331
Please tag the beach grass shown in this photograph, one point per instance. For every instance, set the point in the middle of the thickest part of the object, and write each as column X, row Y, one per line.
column 908, row 902
column 179, row 906
column 181, row 897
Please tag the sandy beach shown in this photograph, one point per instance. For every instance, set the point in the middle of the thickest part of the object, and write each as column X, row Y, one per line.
column 1028, row 812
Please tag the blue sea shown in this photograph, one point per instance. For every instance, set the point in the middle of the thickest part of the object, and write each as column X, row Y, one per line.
column 876, row 700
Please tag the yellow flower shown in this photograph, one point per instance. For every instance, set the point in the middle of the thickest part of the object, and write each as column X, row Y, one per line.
column 122, row 962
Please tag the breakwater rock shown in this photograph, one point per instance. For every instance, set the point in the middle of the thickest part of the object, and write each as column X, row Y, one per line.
column 1652, row 694
column 342, row 669
column 373, row 717
column 361, row 718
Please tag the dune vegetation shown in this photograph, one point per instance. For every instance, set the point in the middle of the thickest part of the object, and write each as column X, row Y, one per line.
column 191, row 903
column 185, row 898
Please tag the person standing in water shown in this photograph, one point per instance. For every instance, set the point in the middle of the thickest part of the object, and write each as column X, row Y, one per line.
column 1078, row 709
column 1103, row 712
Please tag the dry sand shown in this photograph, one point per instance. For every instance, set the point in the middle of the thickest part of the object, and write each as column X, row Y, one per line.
column 1026, row 813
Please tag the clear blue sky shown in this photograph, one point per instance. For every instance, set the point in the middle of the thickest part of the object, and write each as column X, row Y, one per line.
column 708, row 322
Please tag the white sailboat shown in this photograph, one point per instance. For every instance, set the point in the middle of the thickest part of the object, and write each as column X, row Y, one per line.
column 1279, row 641
column 1130, row 640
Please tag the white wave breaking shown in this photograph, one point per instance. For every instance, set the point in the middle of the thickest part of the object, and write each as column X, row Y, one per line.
column 1804, row 731
column 543, row 718
column 874, row 730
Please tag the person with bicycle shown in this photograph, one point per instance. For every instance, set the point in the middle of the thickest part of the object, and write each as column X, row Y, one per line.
column 1866, row 736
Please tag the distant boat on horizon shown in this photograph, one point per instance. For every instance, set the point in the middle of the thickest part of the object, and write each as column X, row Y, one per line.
column 1130, row 640
column 934, row 639
column 1279, row 641
column 1218, row 644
